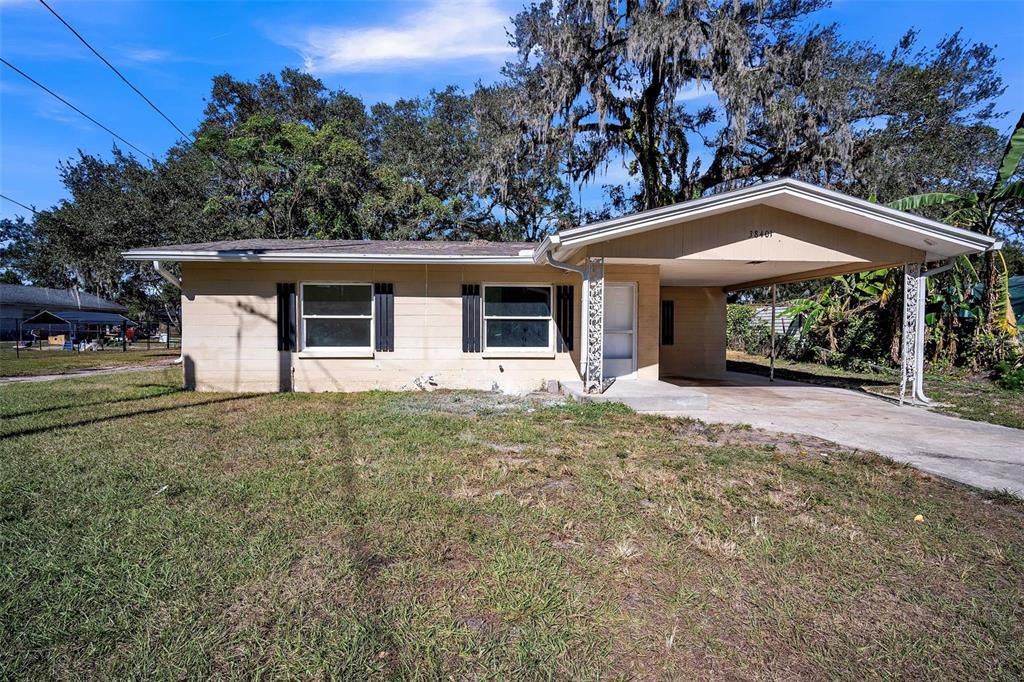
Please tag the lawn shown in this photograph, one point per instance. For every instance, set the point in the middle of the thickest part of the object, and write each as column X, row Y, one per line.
column 37, row 362
column 970, row 397
column 151, row 532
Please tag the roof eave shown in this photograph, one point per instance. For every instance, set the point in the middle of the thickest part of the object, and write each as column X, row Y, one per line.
column 692, row 210
column 291, row 257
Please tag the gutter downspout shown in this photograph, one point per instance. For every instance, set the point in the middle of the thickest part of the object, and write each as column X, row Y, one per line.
column 177, row 283
column 944, row 266
column 583, row 273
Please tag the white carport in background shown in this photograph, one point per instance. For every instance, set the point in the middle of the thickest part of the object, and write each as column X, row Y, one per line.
column 784, row 231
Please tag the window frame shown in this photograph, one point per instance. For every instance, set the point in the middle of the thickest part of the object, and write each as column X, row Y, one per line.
column 525, row 350
column 361, row 351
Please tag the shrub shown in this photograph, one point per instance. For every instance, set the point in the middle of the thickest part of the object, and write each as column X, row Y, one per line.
column 750, row 335
column 1009, row 374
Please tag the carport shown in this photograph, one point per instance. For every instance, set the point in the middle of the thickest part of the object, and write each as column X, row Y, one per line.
column 699, row 251
column 78, row 322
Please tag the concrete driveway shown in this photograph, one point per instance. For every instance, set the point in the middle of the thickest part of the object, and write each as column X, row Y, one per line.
column 975, row 453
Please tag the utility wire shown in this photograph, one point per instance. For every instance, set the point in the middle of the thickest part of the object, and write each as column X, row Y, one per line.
column 52, row 93
column 114, row 69
column 13, row 201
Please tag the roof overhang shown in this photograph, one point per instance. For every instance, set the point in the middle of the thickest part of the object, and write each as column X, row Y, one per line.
column 936, row 239
column 170, row 254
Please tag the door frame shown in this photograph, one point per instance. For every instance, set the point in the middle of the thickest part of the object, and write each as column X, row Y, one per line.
column 636, row 307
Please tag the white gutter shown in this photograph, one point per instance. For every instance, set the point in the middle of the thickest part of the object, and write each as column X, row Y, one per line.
column 158, row 266
column 524, row 258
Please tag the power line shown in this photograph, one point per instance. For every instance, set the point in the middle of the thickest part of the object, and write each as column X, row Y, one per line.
column 52, row 93
column 119, row 74
column 14, row 201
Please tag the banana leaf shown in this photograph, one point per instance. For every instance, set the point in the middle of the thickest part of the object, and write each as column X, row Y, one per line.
column 1011, row 157
column 1013, row 190
column 917, row 201
column 1014, row 291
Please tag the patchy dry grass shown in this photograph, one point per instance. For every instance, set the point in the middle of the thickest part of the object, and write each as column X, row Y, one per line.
column 36, row 362
column 969, row 397
column 150, row 532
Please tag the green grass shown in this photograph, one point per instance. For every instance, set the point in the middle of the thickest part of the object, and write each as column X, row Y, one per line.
column 151, row 532
column 38, row 362
column 974, row 398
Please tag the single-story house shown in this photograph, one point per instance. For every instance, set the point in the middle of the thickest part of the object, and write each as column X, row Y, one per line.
column 637, row 297
column 20, row 303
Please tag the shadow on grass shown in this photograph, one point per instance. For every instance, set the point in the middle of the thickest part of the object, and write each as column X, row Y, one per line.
column 167, row 390
column 125, row 415
column 851, row 383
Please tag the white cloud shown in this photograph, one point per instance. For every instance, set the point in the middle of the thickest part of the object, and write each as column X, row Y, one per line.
column 442, row 31
column 145, row 55
column 694, row 90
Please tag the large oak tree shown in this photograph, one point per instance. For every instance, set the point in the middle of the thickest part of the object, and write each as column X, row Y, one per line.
column 611, row 78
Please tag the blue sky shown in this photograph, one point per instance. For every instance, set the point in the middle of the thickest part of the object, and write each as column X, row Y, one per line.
column 377, row 50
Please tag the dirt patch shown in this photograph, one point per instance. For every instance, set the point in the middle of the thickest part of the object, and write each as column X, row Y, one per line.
column 698, row 433
column 470, row 403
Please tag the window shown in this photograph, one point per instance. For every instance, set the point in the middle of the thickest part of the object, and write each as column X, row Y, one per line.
column 517, row 317
column 337, row 316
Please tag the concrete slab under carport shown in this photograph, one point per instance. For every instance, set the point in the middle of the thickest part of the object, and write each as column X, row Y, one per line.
column 975, row 453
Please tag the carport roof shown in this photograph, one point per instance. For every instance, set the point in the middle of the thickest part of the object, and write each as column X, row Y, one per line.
column 76, row 317
column 936, row 239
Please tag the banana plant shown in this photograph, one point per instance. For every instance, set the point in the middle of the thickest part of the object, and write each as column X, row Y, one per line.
column 952, row 305
column 982, row 212
column 845, row 297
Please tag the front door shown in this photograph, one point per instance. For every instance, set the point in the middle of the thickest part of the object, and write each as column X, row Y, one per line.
column 619, row 330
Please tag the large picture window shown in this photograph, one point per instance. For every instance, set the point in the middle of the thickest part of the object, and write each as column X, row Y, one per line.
column 337, row 316
column 517, row 317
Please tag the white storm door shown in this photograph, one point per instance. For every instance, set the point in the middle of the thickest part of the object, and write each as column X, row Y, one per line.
column 619, row 330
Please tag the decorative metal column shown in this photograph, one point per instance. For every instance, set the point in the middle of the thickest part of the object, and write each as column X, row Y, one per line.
column 912, row 365
column 593, row 381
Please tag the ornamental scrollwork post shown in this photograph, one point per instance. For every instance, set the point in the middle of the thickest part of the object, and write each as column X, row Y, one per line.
column 912, row 334
column 593, row 381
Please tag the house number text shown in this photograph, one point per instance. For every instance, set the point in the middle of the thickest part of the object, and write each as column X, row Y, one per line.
column 760, row 234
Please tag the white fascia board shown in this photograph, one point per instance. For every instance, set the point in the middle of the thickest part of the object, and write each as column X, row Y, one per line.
column 759, row 194
column 290, row 257
column 546, row 244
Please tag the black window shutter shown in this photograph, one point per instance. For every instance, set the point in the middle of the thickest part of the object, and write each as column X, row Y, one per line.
column 286, row 303
column 384, row 322
column 564, row 317
column 668, row 323
column 471, row 318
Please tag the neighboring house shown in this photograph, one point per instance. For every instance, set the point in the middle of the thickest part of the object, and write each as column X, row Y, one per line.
column 637, row 297
column 19, row 303
column 787, row 323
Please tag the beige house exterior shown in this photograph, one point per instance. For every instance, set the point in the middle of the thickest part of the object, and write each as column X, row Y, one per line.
column 637, row 298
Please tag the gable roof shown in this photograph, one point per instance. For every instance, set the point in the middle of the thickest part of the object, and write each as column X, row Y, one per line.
column 936, row 239
column 343, row 251
column 65, row 299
